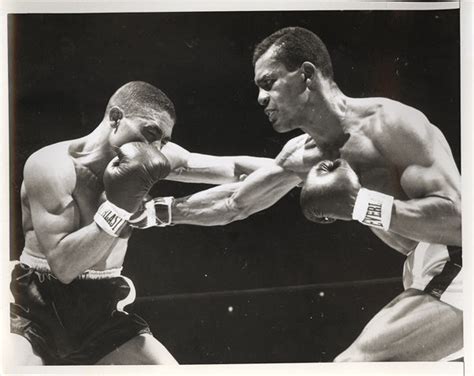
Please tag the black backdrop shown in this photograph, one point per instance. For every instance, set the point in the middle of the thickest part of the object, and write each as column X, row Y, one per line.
column 63, row 68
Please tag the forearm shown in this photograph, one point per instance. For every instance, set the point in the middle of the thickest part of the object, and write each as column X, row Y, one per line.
column 79, row 251
column 230, row 202
column 247, row 165
column 207, row 169
column 211, row 207
column 431, row 219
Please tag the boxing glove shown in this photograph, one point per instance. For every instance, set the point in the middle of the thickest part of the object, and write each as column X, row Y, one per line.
column 127, row 179
column 329, row 192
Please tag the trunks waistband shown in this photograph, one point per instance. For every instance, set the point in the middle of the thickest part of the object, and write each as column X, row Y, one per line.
column 41, row 265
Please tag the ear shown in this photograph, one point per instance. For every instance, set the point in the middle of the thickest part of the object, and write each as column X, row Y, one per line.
column 309, row 73
column 115, row 114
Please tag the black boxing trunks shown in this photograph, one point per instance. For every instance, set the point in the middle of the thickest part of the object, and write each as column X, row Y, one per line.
column 74, row 324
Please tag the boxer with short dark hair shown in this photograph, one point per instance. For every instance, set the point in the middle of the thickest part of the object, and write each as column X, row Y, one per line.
column 77, row 199
column 379, row 162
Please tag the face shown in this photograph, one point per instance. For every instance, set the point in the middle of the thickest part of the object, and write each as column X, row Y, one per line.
column 154, row 128
column 283, row 94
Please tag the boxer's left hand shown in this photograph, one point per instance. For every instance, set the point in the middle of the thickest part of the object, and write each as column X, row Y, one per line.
column 131, row 174
column 330, row 191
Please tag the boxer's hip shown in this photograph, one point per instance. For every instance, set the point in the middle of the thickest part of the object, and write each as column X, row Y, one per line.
column 437, row 270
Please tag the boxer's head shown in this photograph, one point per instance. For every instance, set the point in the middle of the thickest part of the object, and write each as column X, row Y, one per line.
column 287, row 65
column 139, row 111
column 294, row 46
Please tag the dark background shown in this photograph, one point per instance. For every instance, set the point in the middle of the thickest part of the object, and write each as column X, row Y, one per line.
column 63, row 69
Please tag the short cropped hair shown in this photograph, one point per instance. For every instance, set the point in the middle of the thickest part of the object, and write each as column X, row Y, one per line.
column 141, row 98
column 296, row 45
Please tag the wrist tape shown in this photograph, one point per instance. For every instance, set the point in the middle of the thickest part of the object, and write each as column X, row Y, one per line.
column 149, row 214
column 111, row 218
column 373, row 209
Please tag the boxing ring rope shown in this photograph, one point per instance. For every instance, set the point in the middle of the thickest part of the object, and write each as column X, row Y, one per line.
column 267, row 290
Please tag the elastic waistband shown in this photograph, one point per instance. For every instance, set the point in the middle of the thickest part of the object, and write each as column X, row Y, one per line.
column 41, row 265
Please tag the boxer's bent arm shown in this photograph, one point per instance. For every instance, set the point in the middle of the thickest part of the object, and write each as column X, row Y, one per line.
column 69, row 249
column 430, row 179
column 435, row 218
column 208, row 169
column 231, row 202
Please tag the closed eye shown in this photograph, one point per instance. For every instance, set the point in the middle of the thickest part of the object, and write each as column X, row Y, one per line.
column 152, row 133
column 265, row 83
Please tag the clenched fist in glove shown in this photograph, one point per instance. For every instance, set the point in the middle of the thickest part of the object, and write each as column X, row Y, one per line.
column 127, row 179
column 329, row 192
column 332, row 191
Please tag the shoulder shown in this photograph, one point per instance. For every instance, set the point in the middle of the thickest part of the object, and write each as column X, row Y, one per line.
column 51, row 160
column 398, row 119
column 49, row 172
column 401, row 130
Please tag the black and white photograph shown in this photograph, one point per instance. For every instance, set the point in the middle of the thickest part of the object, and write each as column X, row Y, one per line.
column 235, row 187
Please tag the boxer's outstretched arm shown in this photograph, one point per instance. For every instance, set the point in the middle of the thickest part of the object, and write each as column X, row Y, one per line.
column 68, row 248
column 208, row 169
column 428, row 176
column 231, row 202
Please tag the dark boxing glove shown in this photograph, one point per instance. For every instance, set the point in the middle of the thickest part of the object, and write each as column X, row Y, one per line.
column 329, row 192
column 332, row 191
column 127, row 180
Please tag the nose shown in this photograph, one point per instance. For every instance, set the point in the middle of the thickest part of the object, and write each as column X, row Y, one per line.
column 263, row 98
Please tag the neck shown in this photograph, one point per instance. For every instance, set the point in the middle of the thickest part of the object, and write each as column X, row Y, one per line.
column 94, row 150
column 328, row 109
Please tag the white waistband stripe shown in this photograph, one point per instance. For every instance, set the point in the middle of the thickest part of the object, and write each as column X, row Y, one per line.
column 42, row 265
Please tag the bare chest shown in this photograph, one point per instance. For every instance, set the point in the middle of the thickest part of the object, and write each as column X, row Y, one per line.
column 373, row 169
column 88, row 194
column 375, row 172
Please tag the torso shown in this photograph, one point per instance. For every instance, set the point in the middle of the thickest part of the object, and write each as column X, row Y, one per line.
column 375, row 172
column 378, row 174
column 88, row 195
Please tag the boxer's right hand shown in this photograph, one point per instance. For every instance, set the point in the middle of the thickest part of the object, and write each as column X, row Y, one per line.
column 330, row 192
column 131, row 174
